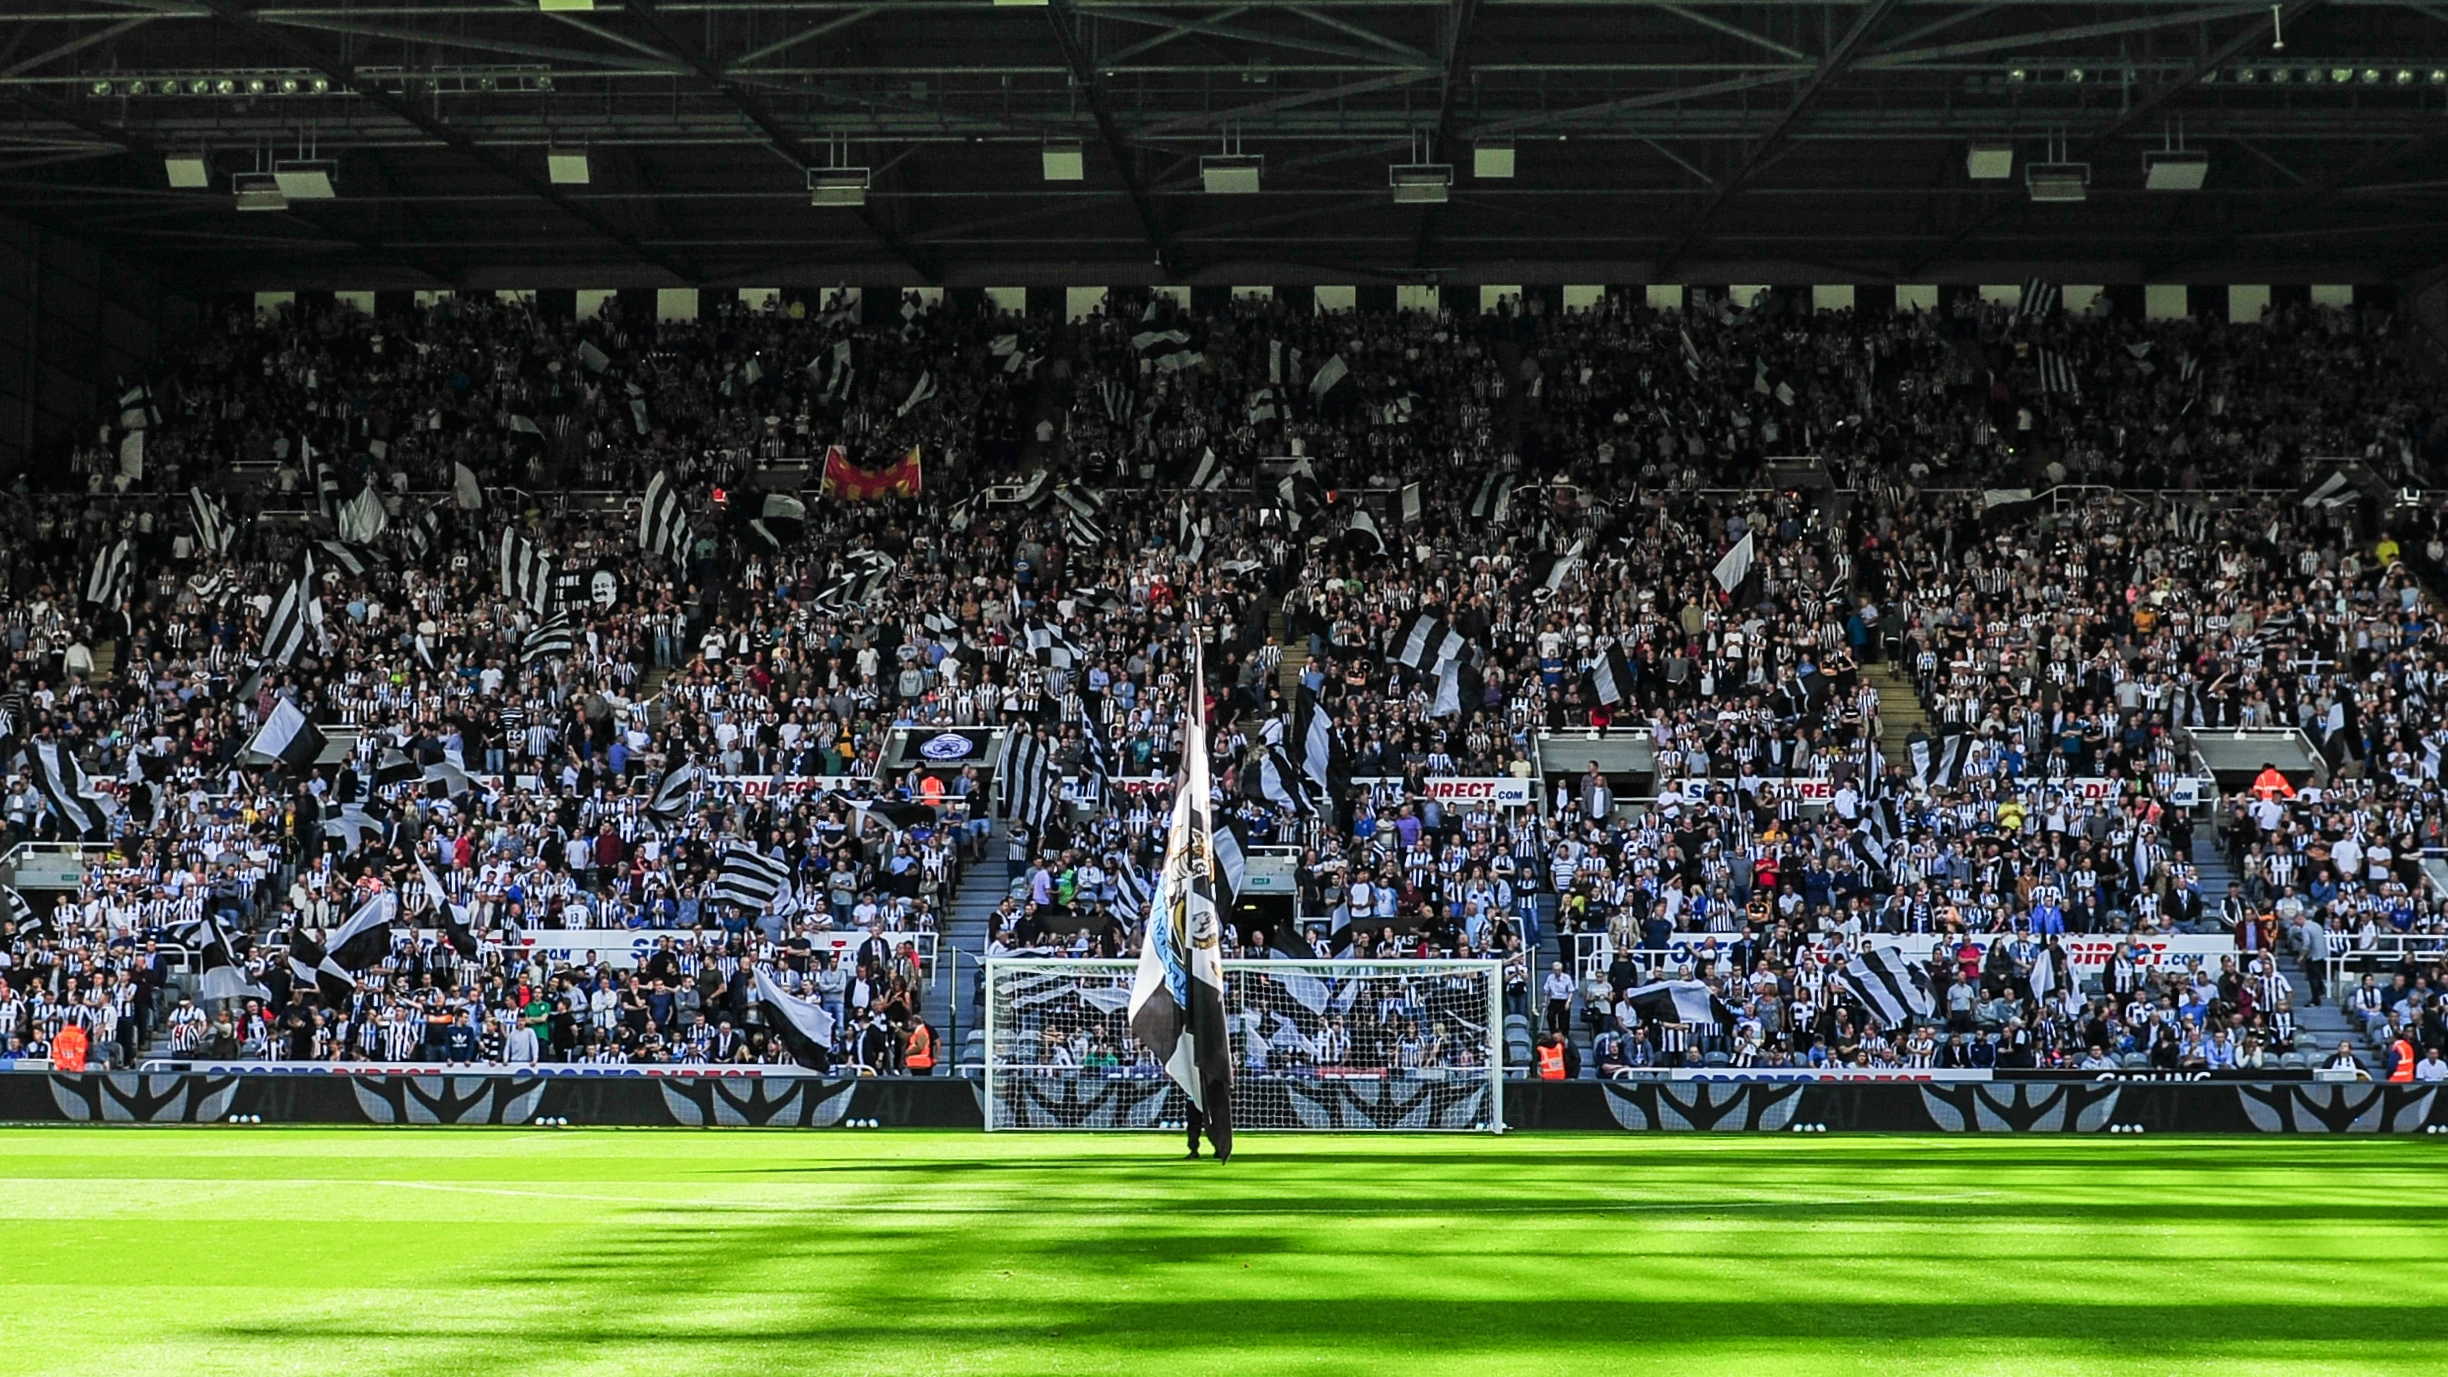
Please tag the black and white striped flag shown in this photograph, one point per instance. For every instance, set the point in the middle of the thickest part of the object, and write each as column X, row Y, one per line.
column 2057, row 374
column 311, row 966
column 1028, row 780
column 113, row 575
column 1177, row 993
column 1211, row 472
column 1428, row 643
column 1938, row 762
column 1894, row 990
column 780, row 519
column 749, row 878
column 365, row 939
column 526, row 572
column 662, row 524
column 920, row 391
column 221, row 976
column 804, row 1026
column 671, row 794
column 1131, row 893
column 423, row 532
column 553, row 639
column 287, row 738
column 1331, row 372
column 296, row 619
column 2039, row 300
column 451, row 918
column 353, row 560
column 1679, row 1001
column 1324, row 760
column 20, row 914
column 1610, row 677
column 327, row 480
column 215, row 532
column 67, row 791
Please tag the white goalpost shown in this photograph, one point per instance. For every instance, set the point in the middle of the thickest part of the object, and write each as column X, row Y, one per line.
column 1340, row 1046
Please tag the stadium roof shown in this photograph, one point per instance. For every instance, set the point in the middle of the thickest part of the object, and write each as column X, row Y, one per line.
column 1701, row 140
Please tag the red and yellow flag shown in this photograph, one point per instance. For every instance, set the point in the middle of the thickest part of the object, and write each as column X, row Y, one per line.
column 847, row 482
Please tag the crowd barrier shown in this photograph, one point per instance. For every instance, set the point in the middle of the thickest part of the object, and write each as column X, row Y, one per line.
column 1712, row 1102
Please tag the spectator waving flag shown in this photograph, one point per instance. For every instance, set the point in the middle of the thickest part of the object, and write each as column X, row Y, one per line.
column 362, row 519
column 20, row 914
column 2057, row 374
column 1610, row 677
column 310, row 966
column 555, row 638
column 749, row 878
column 1894, row 990
column 671, row 795
column 215, row 532
column 221, row 974
column 365, row 938
column 297, row 618
column 662, row 523
column 1734, row 566
column 288, row 739
column 1938, row 762
column 1679, row 1001
column 1331, row 372
column 1428, row 643
column 67, row 791
column 1028, row 780
column 113, row 576
column 1177, row 995
column 526, row 572
column 450, row 917
column 805, row 1026
column 780, row 519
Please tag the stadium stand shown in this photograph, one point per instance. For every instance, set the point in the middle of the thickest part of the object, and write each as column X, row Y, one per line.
column 1526, row 637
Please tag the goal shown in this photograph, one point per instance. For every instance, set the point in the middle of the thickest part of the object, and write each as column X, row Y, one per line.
column 1340, row 1046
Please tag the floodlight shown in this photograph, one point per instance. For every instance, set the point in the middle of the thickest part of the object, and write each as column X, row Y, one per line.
column 1417, row 184
column 837, row 186
column 1231, row 174
column 2058, row 181
column 257, row 191
column 306, row 179
column 2175, row 169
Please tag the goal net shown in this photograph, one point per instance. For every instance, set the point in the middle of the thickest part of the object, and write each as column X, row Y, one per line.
column 1412, row 1046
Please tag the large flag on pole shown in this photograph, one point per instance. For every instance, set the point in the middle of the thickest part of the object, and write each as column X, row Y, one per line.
column 1177, row 998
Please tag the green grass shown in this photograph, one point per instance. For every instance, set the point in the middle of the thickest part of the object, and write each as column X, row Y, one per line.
column 272, row 1250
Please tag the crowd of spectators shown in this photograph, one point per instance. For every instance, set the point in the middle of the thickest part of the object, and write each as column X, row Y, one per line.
column 1293, row 493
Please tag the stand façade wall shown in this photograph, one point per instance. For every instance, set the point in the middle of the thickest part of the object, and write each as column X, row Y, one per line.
column 717, row 1100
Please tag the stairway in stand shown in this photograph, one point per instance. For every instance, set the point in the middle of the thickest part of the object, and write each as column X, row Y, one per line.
column 105, row 660
column 1900, row 713
column 1295, row 656
column 967, row 922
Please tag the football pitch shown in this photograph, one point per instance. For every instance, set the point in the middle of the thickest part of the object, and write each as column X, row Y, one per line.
column 161, row 1251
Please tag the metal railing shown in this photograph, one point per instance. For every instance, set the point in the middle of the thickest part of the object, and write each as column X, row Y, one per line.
column 2348, row 952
